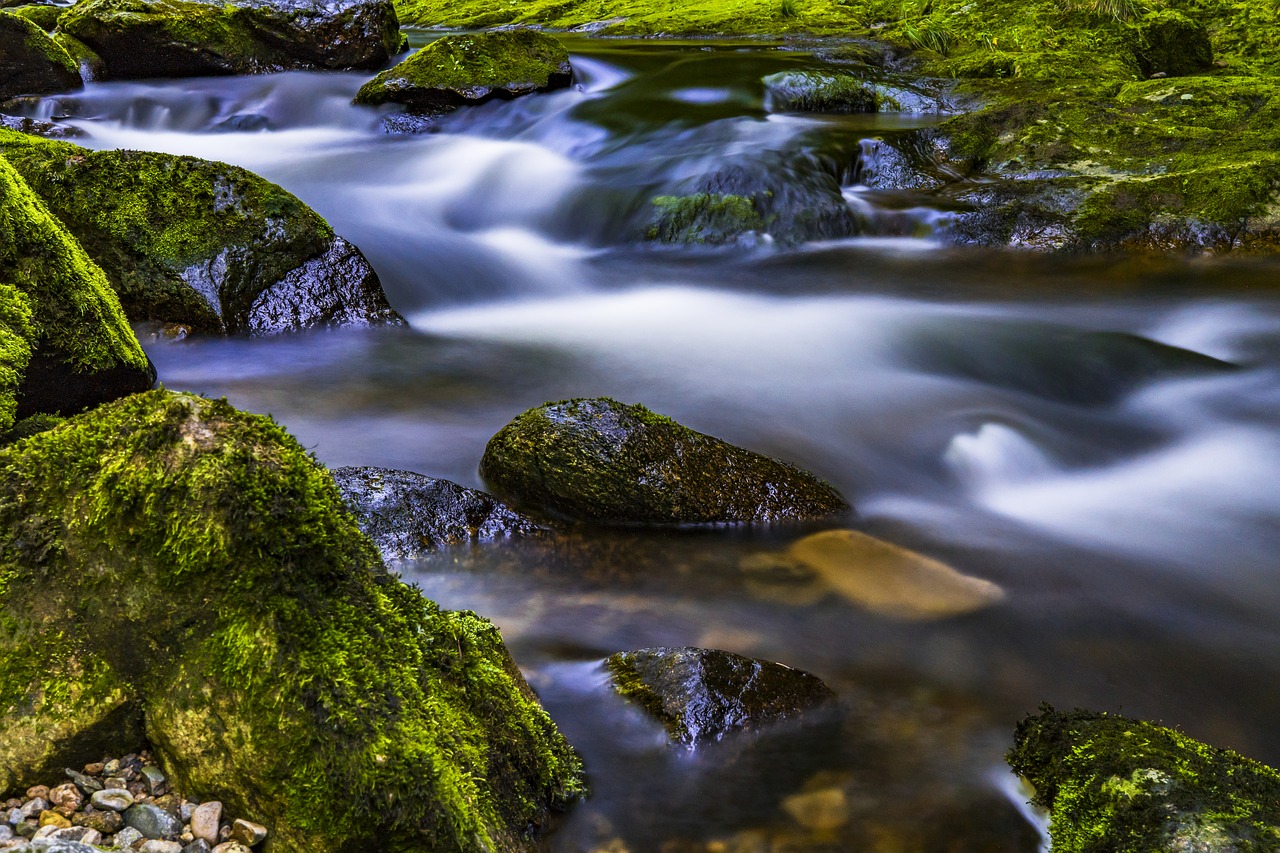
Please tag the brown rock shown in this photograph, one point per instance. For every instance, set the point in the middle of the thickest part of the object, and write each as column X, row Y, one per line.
column 104, row 821
column 94, row 769
column 52, row 818
column 40, row 792
column 248, row 833
column 204, row 821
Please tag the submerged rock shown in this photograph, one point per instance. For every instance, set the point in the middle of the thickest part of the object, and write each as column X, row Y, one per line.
column 64, row 342
column 277, row 665
column 1117, row 784
column 186, row 38
column 704, row 218
column 202, row 243
column 40, row 127
column 407, row 514
column 31, row 63
column 601, row 460
column 464, row 70
column 701, row 695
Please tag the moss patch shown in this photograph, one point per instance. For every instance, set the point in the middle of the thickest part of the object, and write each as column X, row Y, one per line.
column 31, row 63
column 44, row 17
column 1116, row 784
column 711, row 218
column 155, row 222
column 279, row 667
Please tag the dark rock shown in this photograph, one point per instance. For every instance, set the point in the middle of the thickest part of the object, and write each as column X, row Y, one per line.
column 31, row 63
column 58, row 845
column 106, row 822
column 601, row 460
column 406, row 514
column 253, row 605
column 197, row 846
column 1104, row 776
column 1170, row 43
column 703, row 694
column 185, row 38
column 153, row 821
column 208, row 245
column 464, row 70
column 410, row 124
column 39, row 127
column 705, row 218
column 245, row 123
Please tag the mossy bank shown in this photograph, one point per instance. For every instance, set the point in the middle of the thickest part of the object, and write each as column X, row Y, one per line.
column 184, row 569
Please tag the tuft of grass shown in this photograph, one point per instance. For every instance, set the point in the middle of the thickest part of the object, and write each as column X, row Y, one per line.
column 788, row 9
column 1116, row 10
column 929, row 34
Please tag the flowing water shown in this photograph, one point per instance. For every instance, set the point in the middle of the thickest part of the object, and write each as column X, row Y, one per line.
column 1098, row 436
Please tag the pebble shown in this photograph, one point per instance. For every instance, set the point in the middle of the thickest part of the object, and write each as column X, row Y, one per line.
column 38, row 792
column 204, row 821
column 127, row 837
column 115, row 799
column 248, row 833
column 198, row 846
column 157, row 784
column 231, row 847
column 160, row 847
column 49, row 818
column 66, row 798
column 6, row 832
column 153, row 822
column 34, row 806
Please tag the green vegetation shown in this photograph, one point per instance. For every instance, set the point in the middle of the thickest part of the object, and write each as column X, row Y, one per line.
column 711, row 218
column 153, row 221
column 31, row 63
column 280, row 668
column 1115, row 785
column 44, row 17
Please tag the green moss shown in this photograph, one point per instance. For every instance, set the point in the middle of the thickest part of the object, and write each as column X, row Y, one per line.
column 466, row 68
column 712, row 218
column 15, row 349
column 281, row 669
column 1116, row 785
column 149, row 218
column 812, row 91
column 80, row 53
column 44, row 17
column 74, row 315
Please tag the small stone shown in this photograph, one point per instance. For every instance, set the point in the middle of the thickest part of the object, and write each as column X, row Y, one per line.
column 160, row 847
column 186, row 810
column 224, row 832
column 186, row 837
column 102, row 820
column 45, row 831
column 94, row 769
column 115, row 782
column 66, row 799
column 26, row 829
column 153, row 822
column 821, row 811
column 6, row 832
column 13, row 803
column 204, row 821
column 38, row 792
column 73, row 833
column 112, row 767
column 32, row 808
column 157, row 784
column 198, row 846
column 248, row 833
column 52, row 818
column 127, row 837
column 113, row 799
column 231, row 847
column 85, row 783
column 15, row 816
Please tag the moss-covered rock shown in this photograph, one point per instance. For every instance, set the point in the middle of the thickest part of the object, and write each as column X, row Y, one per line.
column 601, row 460
column 44, row 16
column 820, row 92
column 408, row 514
column 703, row 218
column 1168, row 42
column 196, row 564
column 202, row 243
column 462, row 70
column 64, row 342
column 184, row 38
column 704, row 694
column 30, row 62
column 1116, row 785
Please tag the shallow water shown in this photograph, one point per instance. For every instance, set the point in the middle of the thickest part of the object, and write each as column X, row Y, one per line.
column 1098, row 436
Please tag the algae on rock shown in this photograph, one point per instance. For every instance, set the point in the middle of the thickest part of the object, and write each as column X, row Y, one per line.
column 1117, row 785
column 31, row 63
column 277, row 665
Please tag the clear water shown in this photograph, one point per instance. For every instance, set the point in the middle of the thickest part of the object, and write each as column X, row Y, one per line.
column 1008, row 414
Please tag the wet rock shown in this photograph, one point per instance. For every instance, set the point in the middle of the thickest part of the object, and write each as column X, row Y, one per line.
column 182, row 38
column 52, row 818
column 248, row 833
column 701, row 695
column 157, row 784
column 66, row 798
column 106, row 821
column 198, row 846
column 153, row 821
column 126, row 838
column 204, row 821
column 704, row 218
column 470, row 69
column 1104, row 776
column 208, row 245
column 1169, row 43
column 440, row 721
column 605, row 461
column 406, row 514
column 58, row 845
column 891, row 580
column 160, row 847
column 820, row 92
column 112, row 799
column 31, row 63
column 43, row 16
column 909, row 162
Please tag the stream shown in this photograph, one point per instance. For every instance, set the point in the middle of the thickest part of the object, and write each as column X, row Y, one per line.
column 1099, row 436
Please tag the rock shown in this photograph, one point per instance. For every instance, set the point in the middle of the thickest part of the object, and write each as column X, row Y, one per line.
column 407, row 514
column 157, row 785
column 470, row 69
column 44, row 17
column 1169, row 43
column 52, row 818
column 314, row 690
column 127, row 837
column 113, row 799
column 64, row 342
column 248, row 833
column 87, row 784
column 83, row 834
column 184, row 38
column 820, row 92
column 66, row 798
column 204, row 821
column 231, row 847
column 704, row 218
column 153, row 821
column 823, row 810
column 198, row 846
column 1104, row 776
column 160, row 847
column 703, row 694
column 201, row 243
column 106, row 821
column 890, row 580
column 605, row 461
column 58, row 845
column 33, row 807
column 31, row 63
column 38, row 792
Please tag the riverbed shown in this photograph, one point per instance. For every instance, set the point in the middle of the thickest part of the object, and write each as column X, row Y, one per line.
column 1099, row 436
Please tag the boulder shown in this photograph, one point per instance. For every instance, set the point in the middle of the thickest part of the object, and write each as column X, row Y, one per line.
column 1170, row 43
column 197, row 560
column 407, row 514
column 202, row 243
column 605, row 461
column 189, row 38
column 40, row 127
column 30, row 62
column 64, row 342
column 464, row 70
column 704, row 218
column 1118, row 784
column 820, row 92
column 44, row 16
column 701, row 695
